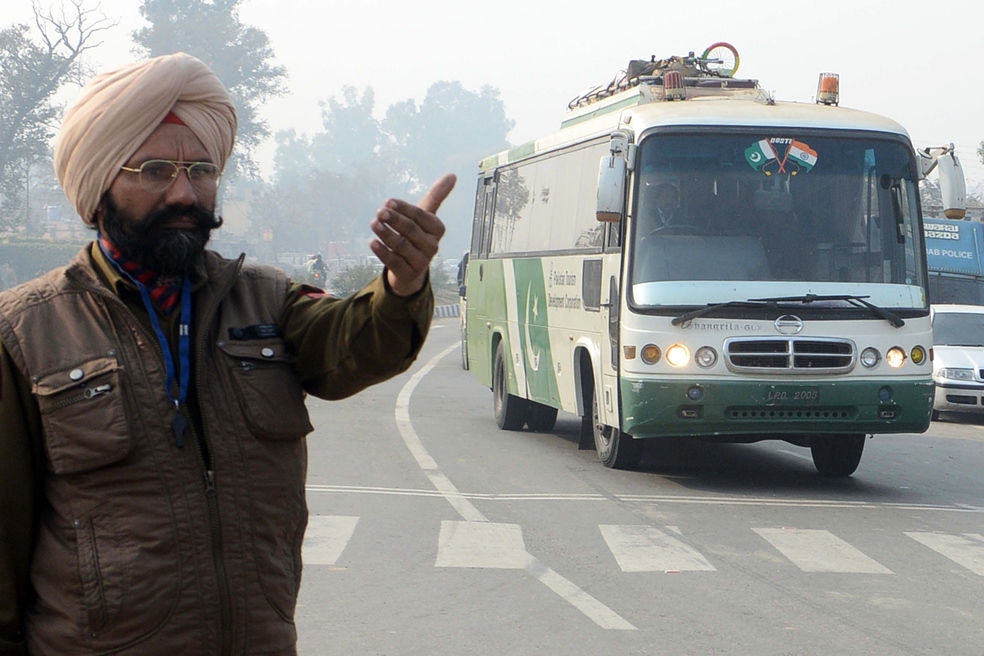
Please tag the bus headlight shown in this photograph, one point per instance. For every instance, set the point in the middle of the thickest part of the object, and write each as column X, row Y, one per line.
column 895, row 357
column 651, row 354
column 918, row 355
column 678, row 355
column 870, row 357
column 705, row 357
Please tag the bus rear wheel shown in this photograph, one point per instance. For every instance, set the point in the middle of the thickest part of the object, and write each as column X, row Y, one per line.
column 616, row 450
column 837, row 455
column 511, row 412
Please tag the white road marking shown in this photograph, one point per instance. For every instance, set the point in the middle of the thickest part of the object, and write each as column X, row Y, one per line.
column 648, row 498
column 647, row 549
column 966, row 550
column 326, row 538
column 477, row 544
column 820, row 551
column 596, row 611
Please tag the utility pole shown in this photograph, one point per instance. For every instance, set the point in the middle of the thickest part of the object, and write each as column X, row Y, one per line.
column 27, row 199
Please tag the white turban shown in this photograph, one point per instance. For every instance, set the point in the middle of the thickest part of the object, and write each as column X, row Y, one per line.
column 116, row 112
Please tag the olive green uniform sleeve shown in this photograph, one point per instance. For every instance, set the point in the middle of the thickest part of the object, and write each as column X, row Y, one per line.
column 20, row 442
column 345, row 345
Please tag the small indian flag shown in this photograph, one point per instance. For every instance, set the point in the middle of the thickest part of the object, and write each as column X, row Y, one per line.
column 759, row 153
column 803, row 155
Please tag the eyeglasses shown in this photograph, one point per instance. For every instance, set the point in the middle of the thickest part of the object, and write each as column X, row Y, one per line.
column 156, row 175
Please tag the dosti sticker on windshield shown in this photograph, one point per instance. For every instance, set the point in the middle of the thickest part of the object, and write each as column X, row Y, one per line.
column 763, row 155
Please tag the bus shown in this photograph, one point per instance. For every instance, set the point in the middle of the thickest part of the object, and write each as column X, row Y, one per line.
column 687, row 257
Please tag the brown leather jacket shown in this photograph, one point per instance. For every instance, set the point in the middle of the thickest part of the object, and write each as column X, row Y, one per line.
column 145, row 547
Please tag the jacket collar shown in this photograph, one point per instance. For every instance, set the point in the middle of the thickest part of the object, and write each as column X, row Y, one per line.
column 90, row 266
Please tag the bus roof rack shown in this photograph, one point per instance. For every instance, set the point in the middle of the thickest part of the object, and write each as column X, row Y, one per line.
column 704, row 73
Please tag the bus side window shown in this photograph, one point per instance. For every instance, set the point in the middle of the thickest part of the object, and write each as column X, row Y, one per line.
column 615, row 235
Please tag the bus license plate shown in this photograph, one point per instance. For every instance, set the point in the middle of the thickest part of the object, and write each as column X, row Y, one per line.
column 791, row 395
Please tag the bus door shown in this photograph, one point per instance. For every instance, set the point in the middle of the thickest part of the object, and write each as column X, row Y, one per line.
column 609, row 322
column 609, row 270
column 476, row 314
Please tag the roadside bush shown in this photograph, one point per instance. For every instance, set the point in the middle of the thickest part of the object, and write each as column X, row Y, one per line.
column 30, row 258
column 353, row 278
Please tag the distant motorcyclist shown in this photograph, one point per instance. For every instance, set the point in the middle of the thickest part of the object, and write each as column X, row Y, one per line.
column 317, row 269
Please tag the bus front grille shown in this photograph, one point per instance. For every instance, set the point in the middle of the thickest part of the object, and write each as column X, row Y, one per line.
column 792, row 356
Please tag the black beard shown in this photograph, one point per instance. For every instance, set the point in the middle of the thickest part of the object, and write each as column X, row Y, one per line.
column 165, row 252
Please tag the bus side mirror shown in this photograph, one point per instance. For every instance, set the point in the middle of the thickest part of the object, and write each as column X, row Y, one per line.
column 953, row 187
column 611, row 189
column 953, row 184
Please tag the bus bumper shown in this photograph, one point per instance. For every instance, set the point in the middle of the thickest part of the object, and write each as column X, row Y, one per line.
column 774, row 409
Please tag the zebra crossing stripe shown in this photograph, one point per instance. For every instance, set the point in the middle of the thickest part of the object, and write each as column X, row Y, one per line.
column 487, row 545
column 596, row 611
column 481, row 544
column 647, row 549
column 966, row 550
column 326, row 538
column 815, row 550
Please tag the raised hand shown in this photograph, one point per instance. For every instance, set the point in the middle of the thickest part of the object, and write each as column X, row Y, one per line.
column 408, row 237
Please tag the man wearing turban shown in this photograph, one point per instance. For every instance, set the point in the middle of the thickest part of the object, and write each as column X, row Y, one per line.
column 152, row 452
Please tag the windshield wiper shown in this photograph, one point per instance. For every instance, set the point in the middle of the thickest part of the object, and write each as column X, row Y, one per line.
column 710, row 307
column 857, row 301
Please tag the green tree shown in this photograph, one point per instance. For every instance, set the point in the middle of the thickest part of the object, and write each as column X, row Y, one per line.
column 34, row 65
column 326, row 188
column 354, row 277
column 451, row 131
column 352, row 136
column 340, row 175
column 240, row 55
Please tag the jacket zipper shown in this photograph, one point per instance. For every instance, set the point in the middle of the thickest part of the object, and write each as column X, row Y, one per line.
column 83, row 396
column 211, row 493
column 204, row 454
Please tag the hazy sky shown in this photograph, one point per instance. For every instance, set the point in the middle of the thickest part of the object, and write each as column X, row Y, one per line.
column 917, row 62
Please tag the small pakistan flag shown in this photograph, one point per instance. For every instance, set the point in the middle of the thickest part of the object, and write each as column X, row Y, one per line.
column 803, row 155
column 759, row 153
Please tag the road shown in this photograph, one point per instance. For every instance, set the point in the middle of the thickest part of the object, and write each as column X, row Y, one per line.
column 432, row 532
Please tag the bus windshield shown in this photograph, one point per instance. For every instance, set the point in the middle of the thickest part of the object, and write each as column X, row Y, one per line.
column 776, row 208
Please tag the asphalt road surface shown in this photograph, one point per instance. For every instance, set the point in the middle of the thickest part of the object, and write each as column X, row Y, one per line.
column 432, row 532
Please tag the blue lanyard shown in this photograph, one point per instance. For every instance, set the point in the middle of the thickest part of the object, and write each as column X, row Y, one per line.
column 180, row 422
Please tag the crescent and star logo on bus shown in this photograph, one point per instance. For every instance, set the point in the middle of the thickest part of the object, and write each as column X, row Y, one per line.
column 534, row 332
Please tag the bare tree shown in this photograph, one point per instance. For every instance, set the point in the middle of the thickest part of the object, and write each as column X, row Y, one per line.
column 35, row 62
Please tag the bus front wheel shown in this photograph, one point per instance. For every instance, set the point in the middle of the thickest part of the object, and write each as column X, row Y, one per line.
column 616, row 450
column 511, row 412
column 837, row 455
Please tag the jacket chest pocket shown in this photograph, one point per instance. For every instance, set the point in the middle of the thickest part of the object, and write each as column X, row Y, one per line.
column 267, row 388
column 83, row 415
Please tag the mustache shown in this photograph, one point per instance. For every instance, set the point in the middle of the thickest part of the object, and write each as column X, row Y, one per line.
column 204, row 220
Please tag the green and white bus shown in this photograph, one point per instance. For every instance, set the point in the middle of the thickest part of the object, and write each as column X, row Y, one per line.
column 689, row 258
